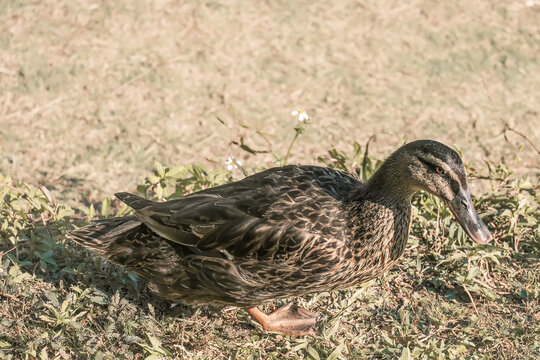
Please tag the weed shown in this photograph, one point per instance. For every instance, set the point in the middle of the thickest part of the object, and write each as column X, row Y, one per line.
column 447, row 298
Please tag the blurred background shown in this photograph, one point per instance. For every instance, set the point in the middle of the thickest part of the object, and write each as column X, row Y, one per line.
column 92, row 92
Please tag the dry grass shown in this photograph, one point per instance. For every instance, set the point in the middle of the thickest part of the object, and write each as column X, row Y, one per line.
column 446, row 299
column 94, row 91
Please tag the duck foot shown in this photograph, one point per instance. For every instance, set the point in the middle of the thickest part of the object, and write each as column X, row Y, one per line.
column 290, row 319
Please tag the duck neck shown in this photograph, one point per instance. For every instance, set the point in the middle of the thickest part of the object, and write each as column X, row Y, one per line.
column 380, row 219
column 390, row 182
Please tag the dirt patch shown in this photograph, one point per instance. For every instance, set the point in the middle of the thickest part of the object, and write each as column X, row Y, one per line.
column 93, row 92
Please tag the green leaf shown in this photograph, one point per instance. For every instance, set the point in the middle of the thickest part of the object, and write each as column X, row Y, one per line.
column 154, row 341
column 91, row 212
column 176, row 172
column 106, row 207
column 154, row 357
column 405, row 354
column 153, row 179
column 313, row 354
column 159, row 169
column 337, row 352
column 43, row 354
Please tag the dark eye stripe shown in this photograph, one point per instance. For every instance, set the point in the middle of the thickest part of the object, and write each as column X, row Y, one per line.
column 431, row 166
column 454, row 185
column 454, row 175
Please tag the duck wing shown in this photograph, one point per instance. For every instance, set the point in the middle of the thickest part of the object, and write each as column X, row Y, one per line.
column 265, row 213
column 210, row 222
column 184, row 221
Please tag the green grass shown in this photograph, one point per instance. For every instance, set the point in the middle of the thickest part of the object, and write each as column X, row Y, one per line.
column 446, row 299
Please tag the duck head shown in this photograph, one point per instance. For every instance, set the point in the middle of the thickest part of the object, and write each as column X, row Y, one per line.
column 434, row 167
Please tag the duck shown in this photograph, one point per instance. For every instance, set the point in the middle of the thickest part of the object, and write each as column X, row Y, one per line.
column 281, row 233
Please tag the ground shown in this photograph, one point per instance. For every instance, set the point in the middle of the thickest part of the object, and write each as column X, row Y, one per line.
column 94, row 92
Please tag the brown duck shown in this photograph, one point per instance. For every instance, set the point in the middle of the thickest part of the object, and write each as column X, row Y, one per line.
column 284, row 232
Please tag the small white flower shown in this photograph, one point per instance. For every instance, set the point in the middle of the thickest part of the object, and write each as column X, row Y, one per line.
column 232, row 163
column 302, row 115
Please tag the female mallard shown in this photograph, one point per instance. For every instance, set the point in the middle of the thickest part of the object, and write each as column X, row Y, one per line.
column 284, row 232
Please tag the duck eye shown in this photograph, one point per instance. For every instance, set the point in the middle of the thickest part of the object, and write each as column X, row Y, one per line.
column 439, row 170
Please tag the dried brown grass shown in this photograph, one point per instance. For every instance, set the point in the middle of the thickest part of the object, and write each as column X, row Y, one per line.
column 94, row 91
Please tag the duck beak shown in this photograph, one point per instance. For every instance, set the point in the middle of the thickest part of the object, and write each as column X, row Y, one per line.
column 463, row 209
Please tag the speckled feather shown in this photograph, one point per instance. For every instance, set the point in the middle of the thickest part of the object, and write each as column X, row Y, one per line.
column 283, row 232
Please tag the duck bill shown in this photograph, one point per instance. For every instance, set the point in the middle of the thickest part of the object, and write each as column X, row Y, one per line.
column 463, row 209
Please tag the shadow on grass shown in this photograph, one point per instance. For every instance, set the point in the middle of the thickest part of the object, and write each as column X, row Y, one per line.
column 47, row 255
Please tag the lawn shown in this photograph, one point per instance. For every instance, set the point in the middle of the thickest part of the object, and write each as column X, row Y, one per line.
column 98, row 97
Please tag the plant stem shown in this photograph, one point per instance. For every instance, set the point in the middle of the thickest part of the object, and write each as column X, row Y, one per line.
column 290, row 147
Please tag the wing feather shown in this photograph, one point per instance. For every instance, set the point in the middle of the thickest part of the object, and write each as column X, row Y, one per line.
column 248, row 217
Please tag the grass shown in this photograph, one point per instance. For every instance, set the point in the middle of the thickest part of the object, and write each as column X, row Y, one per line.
column 447, row 298
column 91, row 80
column 93, row 93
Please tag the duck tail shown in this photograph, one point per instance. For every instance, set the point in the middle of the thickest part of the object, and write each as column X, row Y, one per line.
column 127, row 242
column 133, row 201
column 99, row 235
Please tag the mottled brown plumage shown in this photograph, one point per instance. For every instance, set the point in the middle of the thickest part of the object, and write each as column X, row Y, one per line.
column 283, row 232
